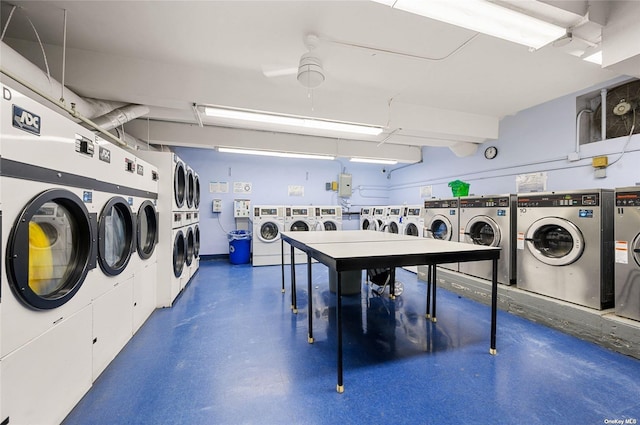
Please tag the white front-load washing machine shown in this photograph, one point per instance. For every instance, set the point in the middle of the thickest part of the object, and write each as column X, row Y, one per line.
column 328, row 218
column 627, row 252
column 366, row 219
column 48, row 238
column 395, row 218
column 413, row 224
column 441, row 221
column 299, row 219
column 490, row 221
column 379, row 218
column 268, row 224
column 565, row 246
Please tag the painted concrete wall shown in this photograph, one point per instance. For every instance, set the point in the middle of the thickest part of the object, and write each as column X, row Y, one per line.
column 538, row 139
column 270, row 179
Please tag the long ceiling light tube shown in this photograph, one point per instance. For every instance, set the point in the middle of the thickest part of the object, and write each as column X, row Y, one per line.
column 291, row 121
column 374, row 161
column 485, row 17
column 274, row 153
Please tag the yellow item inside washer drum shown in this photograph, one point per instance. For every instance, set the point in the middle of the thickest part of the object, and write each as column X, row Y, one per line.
column 40, row 259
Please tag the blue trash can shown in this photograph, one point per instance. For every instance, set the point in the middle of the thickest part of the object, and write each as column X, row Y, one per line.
column 239, row 246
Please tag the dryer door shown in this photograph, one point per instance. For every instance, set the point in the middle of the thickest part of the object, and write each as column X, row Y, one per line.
column 50, row 249
column 196, row 192
column 482, row 230
column 179, row 253
column 196, row 241
column 179, row 184
column 439, row 228
column 269, row 232
column 299, row 226
column 190, row 189
column 147, row 230
column 190, row 245
column 554, row 241
column 115, row 236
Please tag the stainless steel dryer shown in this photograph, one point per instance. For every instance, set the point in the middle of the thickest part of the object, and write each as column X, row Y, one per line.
column 565, row 246
column 441, row 222
column 627, row 252
column 490, row 221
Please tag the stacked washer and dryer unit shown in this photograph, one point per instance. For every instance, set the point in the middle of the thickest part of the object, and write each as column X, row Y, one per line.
column 57, row 225
column 179, row 235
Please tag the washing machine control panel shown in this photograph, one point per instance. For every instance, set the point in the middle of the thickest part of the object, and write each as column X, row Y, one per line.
column 441, row 203
column 484, row 202
column 628, row 199
column 413, row 212
column 297, row 212
column 560, row 200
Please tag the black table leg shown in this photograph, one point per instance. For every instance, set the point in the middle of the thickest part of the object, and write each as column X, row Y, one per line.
column 392, row 283
column 494, row 306
column 433, row 286
column 428, row 313
column 340, row 386
column 282, row 261
column 294, row 304
column 310, row 301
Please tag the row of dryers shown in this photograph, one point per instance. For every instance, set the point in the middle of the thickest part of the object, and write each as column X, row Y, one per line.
column 270, row 220
column 79, row 258
column 565, row 245
column 179, row 254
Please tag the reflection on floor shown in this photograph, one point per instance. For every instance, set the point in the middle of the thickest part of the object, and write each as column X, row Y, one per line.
column 231, row 351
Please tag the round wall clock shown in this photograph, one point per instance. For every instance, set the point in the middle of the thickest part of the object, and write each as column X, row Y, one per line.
column 491, row 152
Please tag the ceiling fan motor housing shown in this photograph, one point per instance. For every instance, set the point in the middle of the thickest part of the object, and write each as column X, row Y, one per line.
column 310, row 72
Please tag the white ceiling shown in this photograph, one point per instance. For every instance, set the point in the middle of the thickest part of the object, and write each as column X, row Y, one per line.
column 171, row 54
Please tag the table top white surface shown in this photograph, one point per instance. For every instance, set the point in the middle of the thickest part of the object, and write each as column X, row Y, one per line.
column 346, row 236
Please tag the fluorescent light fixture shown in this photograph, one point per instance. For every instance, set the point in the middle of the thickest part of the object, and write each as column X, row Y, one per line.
column 291, row 121
column 487, row 18
column 374, row 161
column 274, row 153
column 594, row 58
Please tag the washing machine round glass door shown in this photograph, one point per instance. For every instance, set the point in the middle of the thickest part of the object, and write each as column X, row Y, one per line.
column 115, row 236
column 329, row 225
column 269, row 232
column 196, row 241
column 411, row 229
column 482, row 230
column 439, row 228
column 555, row 241
column 190, row 246
column 635, row 249
column 366, row 224
column 179, row 184
column 147, row 230
column 299, row 226
column 189, row 189
column 179, row 253
column 50, row 249
column 196, row 192
column 393, row 227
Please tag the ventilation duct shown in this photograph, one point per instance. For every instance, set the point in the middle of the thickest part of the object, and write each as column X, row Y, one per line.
column 120, row 116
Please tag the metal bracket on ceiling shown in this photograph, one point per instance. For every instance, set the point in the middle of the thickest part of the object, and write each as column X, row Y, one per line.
column 196, row 112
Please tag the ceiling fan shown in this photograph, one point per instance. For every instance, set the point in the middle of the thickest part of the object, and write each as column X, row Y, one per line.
column 309, row 71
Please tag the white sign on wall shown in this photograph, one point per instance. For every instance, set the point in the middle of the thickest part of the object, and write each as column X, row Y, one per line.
column 426, row 192
column 296, row 190
column 241, row 187
column 533, row 182
column 219, row 187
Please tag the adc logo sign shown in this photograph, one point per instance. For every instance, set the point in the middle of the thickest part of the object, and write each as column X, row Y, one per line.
column 25, row 120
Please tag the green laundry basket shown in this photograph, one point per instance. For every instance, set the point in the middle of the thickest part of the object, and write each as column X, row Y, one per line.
column 459, row 188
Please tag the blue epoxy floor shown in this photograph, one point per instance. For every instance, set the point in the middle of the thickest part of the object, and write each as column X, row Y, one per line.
column 231, row 352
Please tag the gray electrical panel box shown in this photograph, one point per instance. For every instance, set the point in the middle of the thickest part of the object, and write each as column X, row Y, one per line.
column 344, row 185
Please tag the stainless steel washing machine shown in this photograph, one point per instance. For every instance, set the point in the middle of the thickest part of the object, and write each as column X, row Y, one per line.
column 441, row 221
column 627, row 252
column 490, row 221
column 565, row 246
